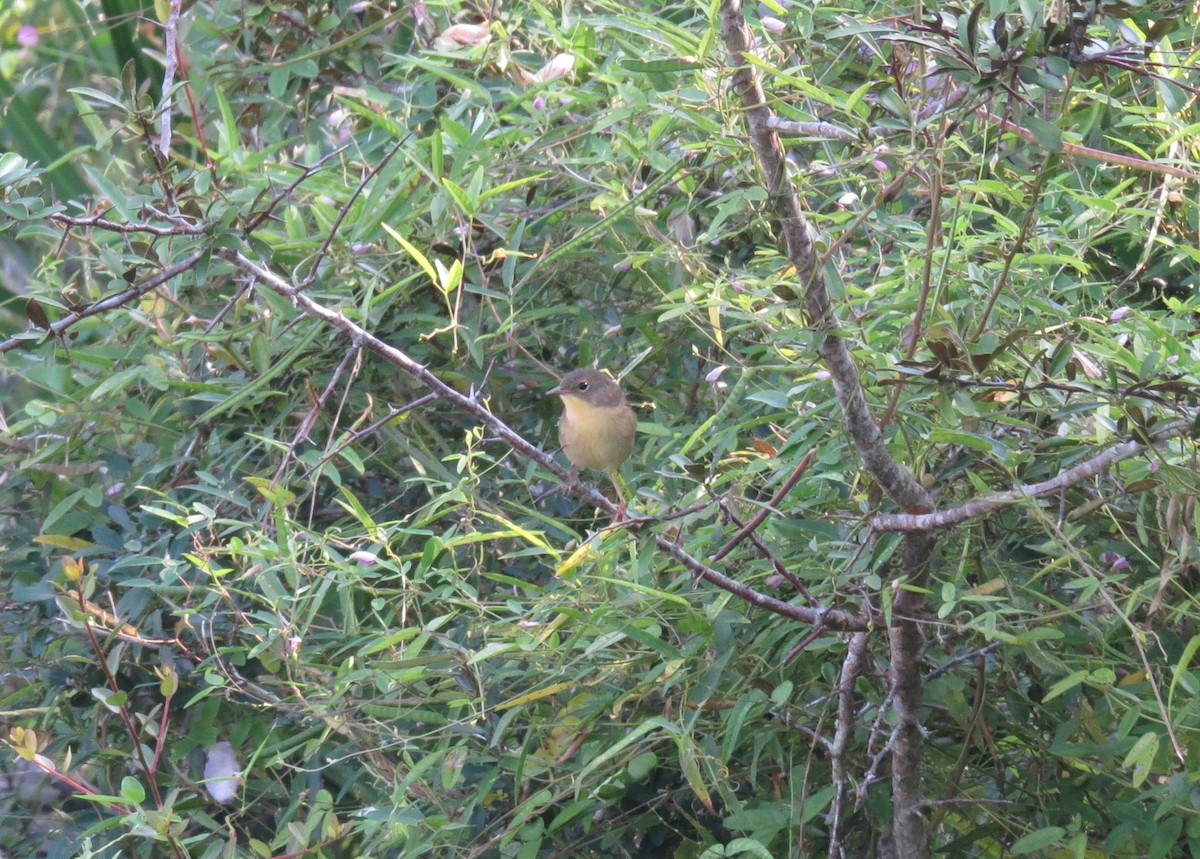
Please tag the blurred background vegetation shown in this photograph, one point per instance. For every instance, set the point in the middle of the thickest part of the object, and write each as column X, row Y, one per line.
column 228, row 531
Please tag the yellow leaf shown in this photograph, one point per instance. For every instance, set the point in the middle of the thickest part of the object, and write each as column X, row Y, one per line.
column 988, row 587
column 73, row 569
column 536, row 695
column 714, row 319
column 504, row 253
column 168, row 680
column 586, row 549
column 1133, row 678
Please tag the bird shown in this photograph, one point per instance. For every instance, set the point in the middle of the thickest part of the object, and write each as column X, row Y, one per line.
column 597, row 426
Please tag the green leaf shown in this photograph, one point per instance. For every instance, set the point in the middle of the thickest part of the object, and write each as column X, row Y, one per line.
column 1067, row 683
column 641, row 766
column 689, row 762
column 970, row 440
column 132, row 790
column 464, row 200
column 1039, row 839
column 102, row 97
column 738, row 847
column 1141, row 757
column 1048, row 134
column 277, row 82
column 1181, row 670
column 660, row 66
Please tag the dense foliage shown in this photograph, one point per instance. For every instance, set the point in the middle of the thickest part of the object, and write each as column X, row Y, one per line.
column 231, row 528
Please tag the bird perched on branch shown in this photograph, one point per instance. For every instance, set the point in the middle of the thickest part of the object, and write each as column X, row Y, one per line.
column 597, row 426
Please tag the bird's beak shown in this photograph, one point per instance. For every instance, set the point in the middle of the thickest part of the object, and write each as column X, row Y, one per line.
column 556, row 391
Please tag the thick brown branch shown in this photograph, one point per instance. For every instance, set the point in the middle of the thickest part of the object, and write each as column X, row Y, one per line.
column 904, row 635
column 798, row 240
column 905, row 640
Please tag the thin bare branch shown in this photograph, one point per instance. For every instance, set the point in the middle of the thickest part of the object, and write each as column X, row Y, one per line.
column 852, row 666
column 111, row 302
column 99, row 222
column 765, row 551
column 1016, row 247
column 940, row 520
column 170, row 64
column 762, row 514
column 1078, row 151
column 310, row 416
column 279, row 196
column 314, row 268
column 372, row 428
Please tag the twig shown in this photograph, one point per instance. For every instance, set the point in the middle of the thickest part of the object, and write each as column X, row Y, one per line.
column 101, row 223
column 765, row 551
column 1017, row 247
column 308, row 171
column 932, row 230
column 852, row 666
column 964, row 753
column 310, row 417
column 242, row 291
column 875, row 758
column 314, row 269
column 813, row 129
column 770, row 506
column 113, row 301
column 134, row 732
column 943, row 519
column 73, row 784
column 373, row 427
column 170, row 63
column 1076, row 149
column 977, row 653
column 1136, row 634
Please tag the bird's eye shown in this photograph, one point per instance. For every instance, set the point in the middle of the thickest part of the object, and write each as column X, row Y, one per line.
column 583, row 386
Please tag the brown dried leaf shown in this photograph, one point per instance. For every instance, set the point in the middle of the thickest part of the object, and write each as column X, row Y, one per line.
column 463, row 35
column 560, row 65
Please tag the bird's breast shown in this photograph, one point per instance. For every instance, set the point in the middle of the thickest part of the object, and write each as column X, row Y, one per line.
column 596, row 437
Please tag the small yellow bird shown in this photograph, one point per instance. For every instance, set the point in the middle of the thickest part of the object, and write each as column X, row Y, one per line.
column 597, row 426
